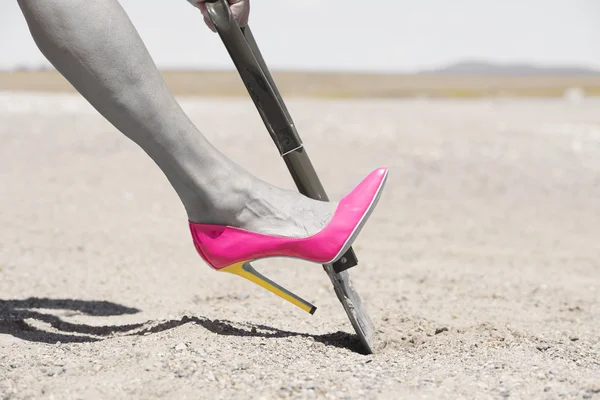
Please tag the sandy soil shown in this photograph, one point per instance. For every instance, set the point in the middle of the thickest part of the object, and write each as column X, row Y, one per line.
column 480, row 267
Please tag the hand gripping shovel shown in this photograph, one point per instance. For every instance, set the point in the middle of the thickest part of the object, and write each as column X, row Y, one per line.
column 251, row 66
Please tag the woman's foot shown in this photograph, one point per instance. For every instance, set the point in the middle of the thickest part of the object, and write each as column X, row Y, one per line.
column 254, row 205
column 274, row 211
column 289, row 225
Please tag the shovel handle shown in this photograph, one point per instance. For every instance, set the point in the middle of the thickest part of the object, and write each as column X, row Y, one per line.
column 251, row 66
column 255, row 75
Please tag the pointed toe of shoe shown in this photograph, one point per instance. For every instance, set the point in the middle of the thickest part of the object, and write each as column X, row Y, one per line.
column 353, row 212
column 366, row 192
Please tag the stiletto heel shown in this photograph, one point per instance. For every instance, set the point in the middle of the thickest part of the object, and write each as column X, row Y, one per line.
column 245, row 270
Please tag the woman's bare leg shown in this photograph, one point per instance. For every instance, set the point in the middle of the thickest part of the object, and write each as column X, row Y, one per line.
column 94, row 45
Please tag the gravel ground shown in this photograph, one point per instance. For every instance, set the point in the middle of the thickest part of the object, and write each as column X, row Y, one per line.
column 480, row 268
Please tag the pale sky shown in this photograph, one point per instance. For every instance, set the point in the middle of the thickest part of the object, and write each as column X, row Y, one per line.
column 363, row 35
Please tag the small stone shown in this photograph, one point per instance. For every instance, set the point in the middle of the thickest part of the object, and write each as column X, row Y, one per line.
column 180, row 347
column 210, row 376
column 243, row 366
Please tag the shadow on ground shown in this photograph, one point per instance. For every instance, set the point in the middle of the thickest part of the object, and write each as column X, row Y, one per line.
column 14, row 316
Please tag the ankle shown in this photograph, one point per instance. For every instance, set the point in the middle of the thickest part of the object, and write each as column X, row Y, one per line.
column 218, row 198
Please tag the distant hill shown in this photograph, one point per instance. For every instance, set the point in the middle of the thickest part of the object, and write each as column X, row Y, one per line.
column 486, row 68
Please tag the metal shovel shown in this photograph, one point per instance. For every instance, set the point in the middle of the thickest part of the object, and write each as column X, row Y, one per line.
column 251, row 66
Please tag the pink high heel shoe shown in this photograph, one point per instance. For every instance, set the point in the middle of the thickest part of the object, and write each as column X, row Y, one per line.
column 229, row 249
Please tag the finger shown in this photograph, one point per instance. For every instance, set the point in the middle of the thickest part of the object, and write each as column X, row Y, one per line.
column 240, row 10
column 207, row 21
